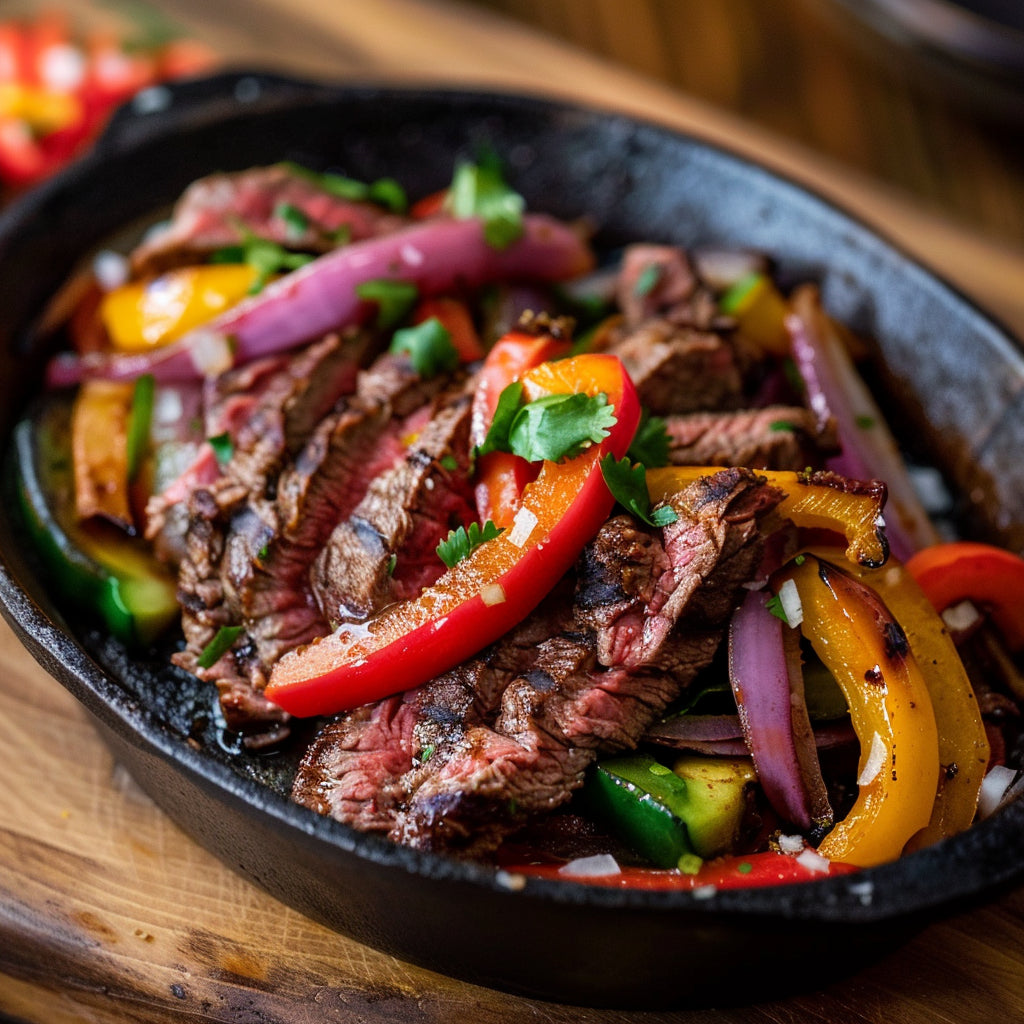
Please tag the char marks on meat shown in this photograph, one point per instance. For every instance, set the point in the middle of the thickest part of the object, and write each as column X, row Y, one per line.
column 775, row 437
column 211, row 213
column 648, row 614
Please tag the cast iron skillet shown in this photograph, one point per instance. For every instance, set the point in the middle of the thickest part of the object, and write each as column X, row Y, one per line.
column 954, row 380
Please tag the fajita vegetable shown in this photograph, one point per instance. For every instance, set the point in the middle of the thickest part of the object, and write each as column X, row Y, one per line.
column 569, row 572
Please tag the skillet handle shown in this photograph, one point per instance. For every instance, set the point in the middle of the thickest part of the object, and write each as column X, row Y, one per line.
column 169, row 106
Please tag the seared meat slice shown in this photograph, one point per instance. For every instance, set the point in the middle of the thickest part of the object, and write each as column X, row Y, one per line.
column 385, row 551
column 356, row 768
column 278, row 203
column 682, row 370
column 777, row 437
column 648, row 615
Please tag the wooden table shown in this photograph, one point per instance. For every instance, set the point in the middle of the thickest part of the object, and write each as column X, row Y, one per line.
column 92, row 925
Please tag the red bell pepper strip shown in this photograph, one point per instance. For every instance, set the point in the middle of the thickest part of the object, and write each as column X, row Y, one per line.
column 485, row 594
column 990, row 577
column 753, row 871
column 455, row 317
column 502, row 476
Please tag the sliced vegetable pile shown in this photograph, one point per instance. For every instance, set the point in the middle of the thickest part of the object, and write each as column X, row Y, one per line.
column 356, row 445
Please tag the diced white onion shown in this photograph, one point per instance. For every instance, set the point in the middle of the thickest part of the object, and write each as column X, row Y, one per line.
column 522, row 527
column 791, row 844
column 110, row 269
column 813, row 861
column 492, row 594
column 789, row 598
column 212, row 353
column 591, row 867
column 961, row 617
column 876, row 759
column 997, row 787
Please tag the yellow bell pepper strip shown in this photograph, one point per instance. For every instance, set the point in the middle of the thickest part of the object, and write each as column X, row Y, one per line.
column 502, row 476
column 814, row 501
column 862, row 644
column 143, row 315
column 760, row 311
column 484, row 595
column 990, row 577
column 963, row 746
column 99, row 451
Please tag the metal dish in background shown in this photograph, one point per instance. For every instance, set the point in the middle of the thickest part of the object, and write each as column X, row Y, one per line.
column 954, row 381
column 969, row 51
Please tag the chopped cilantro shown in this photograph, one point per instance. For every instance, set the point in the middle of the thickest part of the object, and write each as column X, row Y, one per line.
column 140, row 416
column 429, row 345
column 479, row 190
column 394, row 299
column 384, row 191
column 449, row 462
column 864, row 421
column 552, row 427
column 426, row 753
column 647, row 280
column 650, row 443
column 744, row 867
column 266, row 257
column 778, row 426
column 774, row 605
column 295, row 220
column 461, row 543
column 392, row 563
column 219, row 646
column 223, row 448
column 628, row 484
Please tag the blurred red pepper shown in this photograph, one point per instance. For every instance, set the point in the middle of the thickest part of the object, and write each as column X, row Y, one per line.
column 989, row 577
column 501, row 476
column 56, row 92
column 488, row 592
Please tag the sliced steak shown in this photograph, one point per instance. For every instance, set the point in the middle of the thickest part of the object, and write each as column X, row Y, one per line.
column 474, row 769
column 682, row 370
column 278, row 203
column 779, row 437
column 385, row 551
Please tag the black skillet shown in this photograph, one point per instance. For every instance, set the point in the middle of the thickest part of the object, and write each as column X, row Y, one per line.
column 954, row 381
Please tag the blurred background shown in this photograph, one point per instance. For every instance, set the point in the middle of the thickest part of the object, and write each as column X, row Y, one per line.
column 926, row 96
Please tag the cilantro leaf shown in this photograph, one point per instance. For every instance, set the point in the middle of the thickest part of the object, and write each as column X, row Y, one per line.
column 223, row 448
column 394, row 299
column 266, row 257
column 461, row 543
column 774, row 606
column 509, row 403
column 429, row 345
column 628, row 484
column 556, row 427
column 384, row 191
column 479, row 190
column 647, row 280
column 295, row 220
column 650, row 444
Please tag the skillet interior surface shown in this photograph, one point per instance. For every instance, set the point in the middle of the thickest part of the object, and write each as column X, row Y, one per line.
column 951, row 378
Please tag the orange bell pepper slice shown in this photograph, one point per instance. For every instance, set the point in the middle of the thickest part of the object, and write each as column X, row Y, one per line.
column 502, row 476
column 990, row 577
column 484, row 595
column 868, row 653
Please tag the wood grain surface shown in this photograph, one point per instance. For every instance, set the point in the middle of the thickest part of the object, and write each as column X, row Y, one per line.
column 109, row 913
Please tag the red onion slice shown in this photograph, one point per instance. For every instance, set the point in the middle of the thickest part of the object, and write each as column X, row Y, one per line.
column 835, row 389
column 436, row 255
column 767, row 683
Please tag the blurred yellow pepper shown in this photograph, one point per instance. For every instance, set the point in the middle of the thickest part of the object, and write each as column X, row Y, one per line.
column 144, row 315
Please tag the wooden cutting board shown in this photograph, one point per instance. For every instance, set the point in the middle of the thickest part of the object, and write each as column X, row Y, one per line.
column 109, row 913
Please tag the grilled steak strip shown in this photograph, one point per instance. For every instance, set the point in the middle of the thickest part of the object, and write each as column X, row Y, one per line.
column 385, row 551
column 217, row 210
column 594, row 684
column 777, row 437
